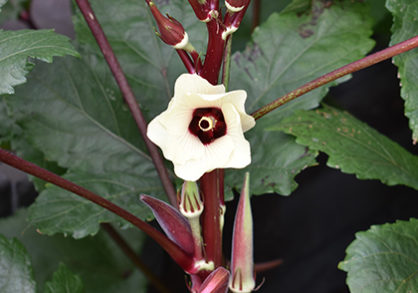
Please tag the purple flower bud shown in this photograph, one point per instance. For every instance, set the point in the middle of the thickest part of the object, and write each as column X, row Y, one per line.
column 216, row 282
column 170, row 30
column 172, row 222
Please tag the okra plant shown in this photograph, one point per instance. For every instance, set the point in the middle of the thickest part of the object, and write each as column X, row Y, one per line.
column 152, row 113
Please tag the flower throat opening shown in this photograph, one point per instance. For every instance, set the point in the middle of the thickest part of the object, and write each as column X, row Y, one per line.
column 207, row 124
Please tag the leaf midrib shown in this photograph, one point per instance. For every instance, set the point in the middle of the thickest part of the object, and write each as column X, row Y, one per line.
column 93, row 121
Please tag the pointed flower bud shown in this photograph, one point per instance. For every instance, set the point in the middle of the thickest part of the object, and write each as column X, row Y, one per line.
column 170, row 30
column 242, row 266
column 236, row 5
column 172, row 222
column 216, row 282
column 191, row 205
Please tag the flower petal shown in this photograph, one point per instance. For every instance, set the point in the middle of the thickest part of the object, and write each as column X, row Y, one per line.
column 216, row 155
column 241, row 156
column 193, row 83
column 238, row 98
column 191, row 157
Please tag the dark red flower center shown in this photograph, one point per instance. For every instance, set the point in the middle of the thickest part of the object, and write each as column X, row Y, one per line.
column 207, row 124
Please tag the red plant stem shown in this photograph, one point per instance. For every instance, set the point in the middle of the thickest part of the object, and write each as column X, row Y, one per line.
column 347, row 69
column 197, row 61
column 212, row 183
column 188, row 63
column 179, row 256
column 136, row 260
column 212, row 188
column 214, row 53
column 268, row 265
column 128, row 95
column 256, row 14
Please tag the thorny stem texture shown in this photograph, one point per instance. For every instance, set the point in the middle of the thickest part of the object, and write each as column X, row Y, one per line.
column 179, row 256
column 128, row 95
column 347, row 69
column 133, row 256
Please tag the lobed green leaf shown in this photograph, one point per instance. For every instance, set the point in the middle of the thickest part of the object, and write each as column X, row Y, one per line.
column 73, row 113
column 16, row 49
column 150, row 65
column 287, row 51
column 353, row 146
column 384, row 259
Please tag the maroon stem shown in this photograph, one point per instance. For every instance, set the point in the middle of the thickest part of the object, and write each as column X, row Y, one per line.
column 347, row 69
column 214, row 53
column 128, row 95
column 188, row 63
column 268, row 265
column 184, row 260
column 256, row 14
column 136, row 260
column 212, row 183
column 212, row 188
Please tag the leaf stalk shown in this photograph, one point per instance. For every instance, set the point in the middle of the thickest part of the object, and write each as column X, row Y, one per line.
column 340, row 72
column 178, row 255
column 128, row 95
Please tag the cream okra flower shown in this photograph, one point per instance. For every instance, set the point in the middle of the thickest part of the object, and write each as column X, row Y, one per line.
column 203, row 128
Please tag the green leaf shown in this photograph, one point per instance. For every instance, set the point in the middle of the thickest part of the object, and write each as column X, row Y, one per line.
column 59, row 211
column 276, row 160
column 384, row 259
column 87, row 128
column 5, row 121
column 11, row 132
column 15, row 267
column 97, row 260
column 64, row 281
column 2, row 2
column 405, row 26
column 287, row 51
column 11, row 9
column 298, row 6
column 353, row 146
column 17, row 46
column 151, row 66
column 78, row 118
